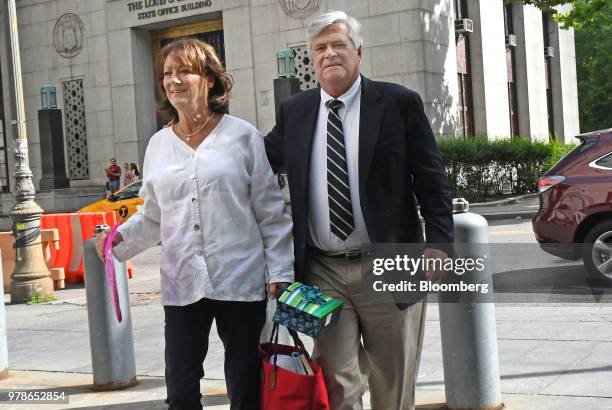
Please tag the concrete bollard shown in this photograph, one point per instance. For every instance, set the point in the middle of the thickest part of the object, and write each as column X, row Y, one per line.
column 112, row 342
column 468, row 330
column 3, row 341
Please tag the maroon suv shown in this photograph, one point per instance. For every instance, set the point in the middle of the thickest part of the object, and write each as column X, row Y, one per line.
column 575, row 216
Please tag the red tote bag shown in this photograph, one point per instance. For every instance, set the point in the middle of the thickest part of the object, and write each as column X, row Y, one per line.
column 282, row 389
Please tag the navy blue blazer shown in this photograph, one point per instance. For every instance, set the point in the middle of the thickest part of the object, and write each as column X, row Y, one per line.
column 398, row 160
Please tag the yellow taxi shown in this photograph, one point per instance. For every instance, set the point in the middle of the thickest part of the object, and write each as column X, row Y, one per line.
column 124, row 202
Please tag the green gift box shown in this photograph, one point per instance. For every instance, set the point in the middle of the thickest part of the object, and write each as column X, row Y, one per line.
column 306, row 309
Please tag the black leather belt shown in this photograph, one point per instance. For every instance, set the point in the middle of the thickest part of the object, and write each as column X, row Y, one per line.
column 348, row 255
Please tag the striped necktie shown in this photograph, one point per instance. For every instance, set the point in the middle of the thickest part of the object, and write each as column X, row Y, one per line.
column 338, row 191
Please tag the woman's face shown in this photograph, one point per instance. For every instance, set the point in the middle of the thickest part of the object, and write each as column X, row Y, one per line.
column 185, row 89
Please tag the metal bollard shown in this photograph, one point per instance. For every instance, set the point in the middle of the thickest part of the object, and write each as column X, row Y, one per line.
column 468, row 330
column 112, row 342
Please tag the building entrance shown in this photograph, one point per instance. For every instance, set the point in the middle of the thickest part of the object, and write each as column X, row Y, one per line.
column 210, row 31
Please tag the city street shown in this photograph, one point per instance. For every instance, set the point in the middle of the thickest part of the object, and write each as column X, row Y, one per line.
column 185, row 115
column 554, row 352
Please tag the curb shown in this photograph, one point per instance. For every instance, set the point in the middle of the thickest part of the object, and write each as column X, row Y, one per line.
column 505, row 201
column 523, row 215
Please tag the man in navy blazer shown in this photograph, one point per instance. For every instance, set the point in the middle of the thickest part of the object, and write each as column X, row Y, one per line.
column 357, row 152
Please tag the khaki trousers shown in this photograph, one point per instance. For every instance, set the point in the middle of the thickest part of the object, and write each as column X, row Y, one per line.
column 371, row 341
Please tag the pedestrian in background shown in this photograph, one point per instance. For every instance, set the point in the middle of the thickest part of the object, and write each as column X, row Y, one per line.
column 113, row 174
column 127, row 174
column 135, row 172
column 212, row 200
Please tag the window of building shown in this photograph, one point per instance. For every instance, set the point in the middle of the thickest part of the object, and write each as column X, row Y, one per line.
column 303, row 67
column 76, row 132
column 466, row 108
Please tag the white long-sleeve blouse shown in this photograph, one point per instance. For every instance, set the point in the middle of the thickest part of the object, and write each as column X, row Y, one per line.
column 218, row 212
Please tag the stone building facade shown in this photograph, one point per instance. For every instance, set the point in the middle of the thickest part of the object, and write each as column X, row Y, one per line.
column 99, row 55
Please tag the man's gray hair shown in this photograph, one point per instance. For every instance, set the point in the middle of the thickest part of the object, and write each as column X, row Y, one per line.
column 321, row 22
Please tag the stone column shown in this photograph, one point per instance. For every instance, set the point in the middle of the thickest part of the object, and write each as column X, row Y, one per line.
column 489, row 73
column 530, row 72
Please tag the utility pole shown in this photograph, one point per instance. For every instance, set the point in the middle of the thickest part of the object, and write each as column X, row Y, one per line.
column 31, row 276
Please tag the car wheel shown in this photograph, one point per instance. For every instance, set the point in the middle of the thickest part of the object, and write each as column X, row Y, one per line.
column 597, row 251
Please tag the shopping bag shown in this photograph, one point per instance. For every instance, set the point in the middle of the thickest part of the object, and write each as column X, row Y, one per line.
column 283, row 389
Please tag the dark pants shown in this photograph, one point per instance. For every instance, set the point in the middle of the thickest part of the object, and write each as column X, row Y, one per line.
column 113, row 186
column 187, row 328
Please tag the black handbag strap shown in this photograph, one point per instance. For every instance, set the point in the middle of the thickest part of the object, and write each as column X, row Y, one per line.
column 274, row 333
column 297, row 342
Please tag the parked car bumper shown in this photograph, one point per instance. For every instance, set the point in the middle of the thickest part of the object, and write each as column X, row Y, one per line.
column 563, row 250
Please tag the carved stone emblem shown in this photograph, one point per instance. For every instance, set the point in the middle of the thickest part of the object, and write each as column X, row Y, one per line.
column 68, row 35
column 299, row 9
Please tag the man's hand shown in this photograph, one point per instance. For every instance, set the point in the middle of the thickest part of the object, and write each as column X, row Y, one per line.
column 277, row 289
column 434, row 275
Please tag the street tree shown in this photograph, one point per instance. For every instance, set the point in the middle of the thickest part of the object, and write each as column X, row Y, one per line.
column 583, row 12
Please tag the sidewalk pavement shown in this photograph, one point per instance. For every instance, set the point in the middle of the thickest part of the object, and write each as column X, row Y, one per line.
column 551, row 356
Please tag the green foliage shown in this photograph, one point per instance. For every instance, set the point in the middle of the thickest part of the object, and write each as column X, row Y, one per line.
column 557, row 151
column 37, row 299
column 594, row 71
column 480, row 169
column 583, row 12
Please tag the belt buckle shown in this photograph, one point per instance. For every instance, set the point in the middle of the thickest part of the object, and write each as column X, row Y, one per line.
column 352, row 254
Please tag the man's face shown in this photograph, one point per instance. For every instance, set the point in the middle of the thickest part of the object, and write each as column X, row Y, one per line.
column 113, row 162
column 335, row 59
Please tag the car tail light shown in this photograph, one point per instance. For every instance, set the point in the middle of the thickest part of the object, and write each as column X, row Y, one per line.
column 546, row 182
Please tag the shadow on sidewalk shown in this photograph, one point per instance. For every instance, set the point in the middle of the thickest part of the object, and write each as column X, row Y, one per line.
column 153, row 405
column 209, row 400
column 214, row 400
column 561, row 372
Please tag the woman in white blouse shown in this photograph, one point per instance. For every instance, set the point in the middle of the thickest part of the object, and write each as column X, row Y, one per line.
column 211, row 199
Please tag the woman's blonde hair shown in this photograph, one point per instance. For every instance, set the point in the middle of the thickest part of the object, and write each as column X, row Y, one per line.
column 202, row 59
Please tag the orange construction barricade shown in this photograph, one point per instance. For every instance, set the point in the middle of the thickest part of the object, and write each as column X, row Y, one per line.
column 74, row 229
column 62, row 257
column 49, row 239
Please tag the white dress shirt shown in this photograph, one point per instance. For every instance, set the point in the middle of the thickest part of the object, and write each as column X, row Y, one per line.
column 218, row 212
column 318, row 204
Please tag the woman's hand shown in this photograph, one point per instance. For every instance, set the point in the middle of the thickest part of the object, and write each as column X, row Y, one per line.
column 101, row 237
column 277, row 289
